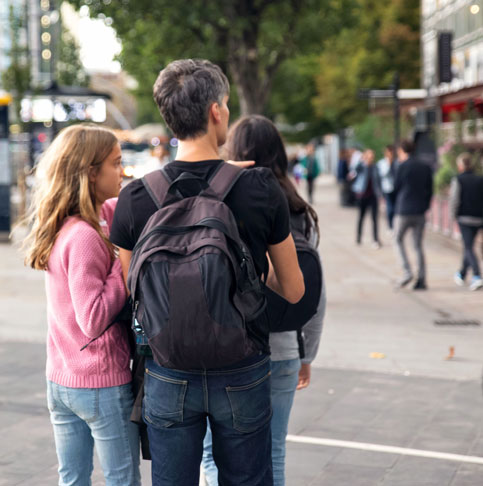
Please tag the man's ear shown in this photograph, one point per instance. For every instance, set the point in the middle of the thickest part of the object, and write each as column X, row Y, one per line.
column 215, row 112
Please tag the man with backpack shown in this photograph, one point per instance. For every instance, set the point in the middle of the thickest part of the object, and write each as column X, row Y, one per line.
column 194, row 238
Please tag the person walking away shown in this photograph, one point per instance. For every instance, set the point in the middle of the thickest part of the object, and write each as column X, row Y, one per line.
column 466, row 206
column 312, row 170
column 387, row 171
column 413, row 189
column 192, row 96
column 366, row 187
column 248, row 138
column 88, row 390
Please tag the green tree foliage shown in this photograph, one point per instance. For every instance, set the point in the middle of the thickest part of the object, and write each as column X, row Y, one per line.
column 16, row 78
column 384, row 41
column 70, row 71
column 249, row 39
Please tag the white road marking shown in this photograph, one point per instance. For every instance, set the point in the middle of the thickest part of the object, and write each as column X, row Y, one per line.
column 383, row 448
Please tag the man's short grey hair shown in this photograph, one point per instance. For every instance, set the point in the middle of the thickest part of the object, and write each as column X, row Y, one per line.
column 185, row 90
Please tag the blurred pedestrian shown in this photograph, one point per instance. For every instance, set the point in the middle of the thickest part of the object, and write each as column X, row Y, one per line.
column 355, row 156
column 367, row 189
column 312, row 169
column 466, row 206
column 294, row 168
column 413, row 189
column 249, row 138
column 387, row 172
column 89, row 391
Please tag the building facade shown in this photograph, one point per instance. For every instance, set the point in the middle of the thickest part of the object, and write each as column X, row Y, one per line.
column 38, row 36
column 462, row 97
column 7, row 8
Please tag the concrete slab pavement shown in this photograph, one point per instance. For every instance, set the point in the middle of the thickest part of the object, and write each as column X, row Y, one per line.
column 366, row 315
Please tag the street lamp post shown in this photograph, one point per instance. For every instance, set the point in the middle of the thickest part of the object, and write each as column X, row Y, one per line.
column 397, row 110
column 5, row 100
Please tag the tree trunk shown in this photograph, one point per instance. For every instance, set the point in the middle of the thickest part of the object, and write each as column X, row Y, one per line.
column 252, row 92
column 252, row 82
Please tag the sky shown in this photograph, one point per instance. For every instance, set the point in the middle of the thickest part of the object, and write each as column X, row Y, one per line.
column 97, row 41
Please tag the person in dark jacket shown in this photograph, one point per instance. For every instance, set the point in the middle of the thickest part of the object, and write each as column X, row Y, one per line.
column 413, row 189
column 466, row 206
column 367, row 189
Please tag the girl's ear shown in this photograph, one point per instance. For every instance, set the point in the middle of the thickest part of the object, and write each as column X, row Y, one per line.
column 92, row 175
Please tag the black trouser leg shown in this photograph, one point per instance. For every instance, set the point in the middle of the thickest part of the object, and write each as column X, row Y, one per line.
column 468, row 234
column 375, row 213
column 310, row 189
column 363, row 205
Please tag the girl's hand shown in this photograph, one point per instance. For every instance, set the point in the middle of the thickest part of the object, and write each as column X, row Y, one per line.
column 242, row 163
column 304, row 376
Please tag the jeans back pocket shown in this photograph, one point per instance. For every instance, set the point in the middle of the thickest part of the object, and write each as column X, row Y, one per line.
column 163, row 399
column 250, row 404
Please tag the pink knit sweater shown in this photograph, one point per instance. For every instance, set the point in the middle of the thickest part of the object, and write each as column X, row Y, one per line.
column 84, row 293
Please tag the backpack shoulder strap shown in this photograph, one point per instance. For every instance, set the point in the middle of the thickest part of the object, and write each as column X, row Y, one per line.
column 224, row 179
column 157, row 184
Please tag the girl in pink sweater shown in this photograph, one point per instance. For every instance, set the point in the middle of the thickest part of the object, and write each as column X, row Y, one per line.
column 88, row 392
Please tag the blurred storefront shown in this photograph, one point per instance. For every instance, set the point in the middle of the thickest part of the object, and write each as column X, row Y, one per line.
column 452, row 68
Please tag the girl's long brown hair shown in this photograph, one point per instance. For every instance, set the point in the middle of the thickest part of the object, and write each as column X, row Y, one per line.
column 255, row 137
column 62, row 188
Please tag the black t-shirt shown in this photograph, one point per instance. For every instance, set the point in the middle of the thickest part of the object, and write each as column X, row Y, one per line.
column 256, row 201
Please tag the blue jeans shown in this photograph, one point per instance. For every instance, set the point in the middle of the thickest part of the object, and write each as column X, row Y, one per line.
column 236, row 400
column 82, row 417
column 390, row 207
column 284, row 383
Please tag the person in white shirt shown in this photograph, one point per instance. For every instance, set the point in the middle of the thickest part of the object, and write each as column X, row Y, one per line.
column 387, row 171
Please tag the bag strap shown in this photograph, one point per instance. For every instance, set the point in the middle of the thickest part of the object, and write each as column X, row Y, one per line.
column 157, row 184
column 225, row 177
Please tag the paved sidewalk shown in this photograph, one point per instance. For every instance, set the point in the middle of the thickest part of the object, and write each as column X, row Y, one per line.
column 411, row 398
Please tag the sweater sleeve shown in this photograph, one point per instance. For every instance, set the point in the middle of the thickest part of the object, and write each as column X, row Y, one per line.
column 96, row 286
column 107, row 210
column 312, row 331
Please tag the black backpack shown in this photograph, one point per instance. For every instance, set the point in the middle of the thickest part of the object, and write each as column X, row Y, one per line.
column 192, row 279
column 282, row 315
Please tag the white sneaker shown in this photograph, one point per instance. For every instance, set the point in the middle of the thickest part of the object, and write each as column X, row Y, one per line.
column 458, row 279
column 476, row 283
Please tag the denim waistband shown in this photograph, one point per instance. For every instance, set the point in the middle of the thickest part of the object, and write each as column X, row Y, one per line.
column 244, row 365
